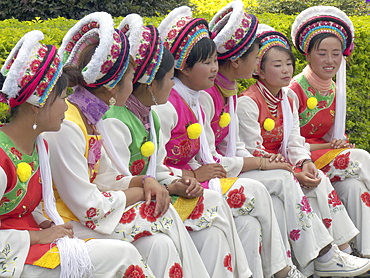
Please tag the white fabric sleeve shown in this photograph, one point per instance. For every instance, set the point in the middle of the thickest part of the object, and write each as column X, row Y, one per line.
column 249, row 128
column 232, row 165
column 169, row 119
column 70, row 175
column 14, row 244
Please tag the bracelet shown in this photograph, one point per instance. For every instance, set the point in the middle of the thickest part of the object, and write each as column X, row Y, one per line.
column 306, row 161
column 166, row 186
column 194, row 174
column 261, row 161
column 145, row 177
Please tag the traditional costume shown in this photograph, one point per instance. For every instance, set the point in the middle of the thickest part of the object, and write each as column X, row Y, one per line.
column 321, row 106
column 269, row 124
column 90, row 190
column 187, row 147
column 135, row 127
column 31, row 71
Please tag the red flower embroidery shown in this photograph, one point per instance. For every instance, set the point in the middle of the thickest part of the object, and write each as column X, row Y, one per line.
column 70, row 46
column 4, row 200
column 322, row 104
column 341, row 161
column 17, row 153
column 19, row 192
column 334, row 199
column 147, row 212
column 305, row 205
column 236, row 198
column 180, row 23
column 106, row 194
column 176, row 271
column 198, row 210
column 137, row 167
column 185, row 147
column 146, row 36
column 90, row 225
column 116, row 37
column 326, row 168
column 229, row 44
column 134, row 271
column 142, row 234
column 227, row 262
column 106, row 66
column 91, row 212
column 295, row 234
column 128, row 216
column 119, row 177
column 327, row 222
column 41, row 88
column 190, row 229
column 26, row 78
column 335, row 178
column 114, row 51
column 42, row 52
column 172, row 34
column 76, row 37
column 365, row 197
column 239, row 33
column 35, row 65
column 288, row 254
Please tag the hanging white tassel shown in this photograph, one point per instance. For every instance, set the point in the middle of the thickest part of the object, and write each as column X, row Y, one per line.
column 74, row 255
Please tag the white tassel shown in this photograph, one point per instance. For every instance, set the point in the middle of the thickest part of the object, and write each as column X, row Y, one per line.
column 73, row 262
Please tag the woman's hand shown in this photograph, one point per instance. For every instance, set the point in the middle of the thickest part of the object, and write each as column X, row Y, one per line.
column 308, row 178
column 277, row 157
column 154, row 190
column 341, row 143
column 186, row 187
column 209, row 171
column 48, row 235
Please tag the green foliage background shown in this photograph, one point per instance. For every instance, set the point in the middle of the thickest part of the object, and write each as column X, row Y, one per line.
column 358, row 81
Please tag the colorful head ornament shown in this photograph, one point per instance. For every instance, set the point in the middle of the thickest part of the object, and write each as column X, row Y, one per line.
column 146, row 47
column 322, row 19
column 31, row 71
column 269, row 38
column 111, row 57
column 180, row 32
column 234, row 30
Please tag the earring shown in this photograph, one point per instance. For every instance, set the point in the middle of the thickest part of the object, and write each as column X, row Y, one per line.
column 34, row 126
column 112, row 101
column 153, row 97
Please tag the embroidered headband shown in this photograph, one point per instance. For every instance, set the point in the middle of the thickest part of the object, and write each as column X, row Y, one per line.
column 322, row 19
column 180, row 32
column 146, row 47
column 31, row 71
column 111, row 57
column 269, row 38
column 234, row 30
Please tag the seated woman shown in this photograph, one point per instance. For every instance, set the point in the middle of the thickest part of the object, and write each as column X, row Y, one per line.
column 35, row 89
column 268, row 123
column 100, row 201
column 135, row 133
column 321, row 104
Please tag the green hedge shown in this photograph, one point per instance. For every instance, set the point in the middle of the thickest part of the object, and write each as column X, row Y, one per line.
column 358, row 81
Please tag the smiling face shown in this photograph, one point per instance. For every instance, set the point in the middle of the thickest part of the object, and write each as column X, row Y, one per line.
column 326, row 57
column 276, row 69
column 201, row 75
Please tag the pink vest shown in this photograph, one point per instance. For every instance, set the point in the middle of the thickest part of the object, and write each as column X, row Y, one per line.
column 220, row 107
column 180, row 148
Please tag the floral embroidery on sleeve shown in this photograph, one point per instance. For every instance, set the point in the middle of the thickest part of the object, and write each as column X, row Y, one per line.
column 227, row 262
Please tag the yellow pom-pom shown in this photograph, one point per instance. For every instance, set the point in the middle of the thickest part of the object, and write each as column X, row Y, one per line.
column 269, row 124
column 224, row 120
column 312, row 103
column 147, row 149
column 24, row 171
column 194, row 131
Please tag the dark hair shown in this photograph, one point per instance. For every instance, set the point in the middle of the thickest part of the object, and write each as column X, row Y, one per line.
column 316, row 41
column 256, row 43
column 165, row 66
column 201, row 51
column 282, row 49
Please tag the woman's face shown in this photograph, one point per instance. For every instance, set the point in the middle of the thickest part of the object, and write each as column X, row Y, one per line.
column 277, row 70
column 51, row 115
column 124, row 87
column 203, row 74
column 248, row 64
column 325, row 59
column 161, row 90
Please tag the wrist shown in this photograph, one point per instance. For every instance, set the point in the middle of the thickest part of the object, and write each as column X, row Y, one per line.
column 146, row 177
